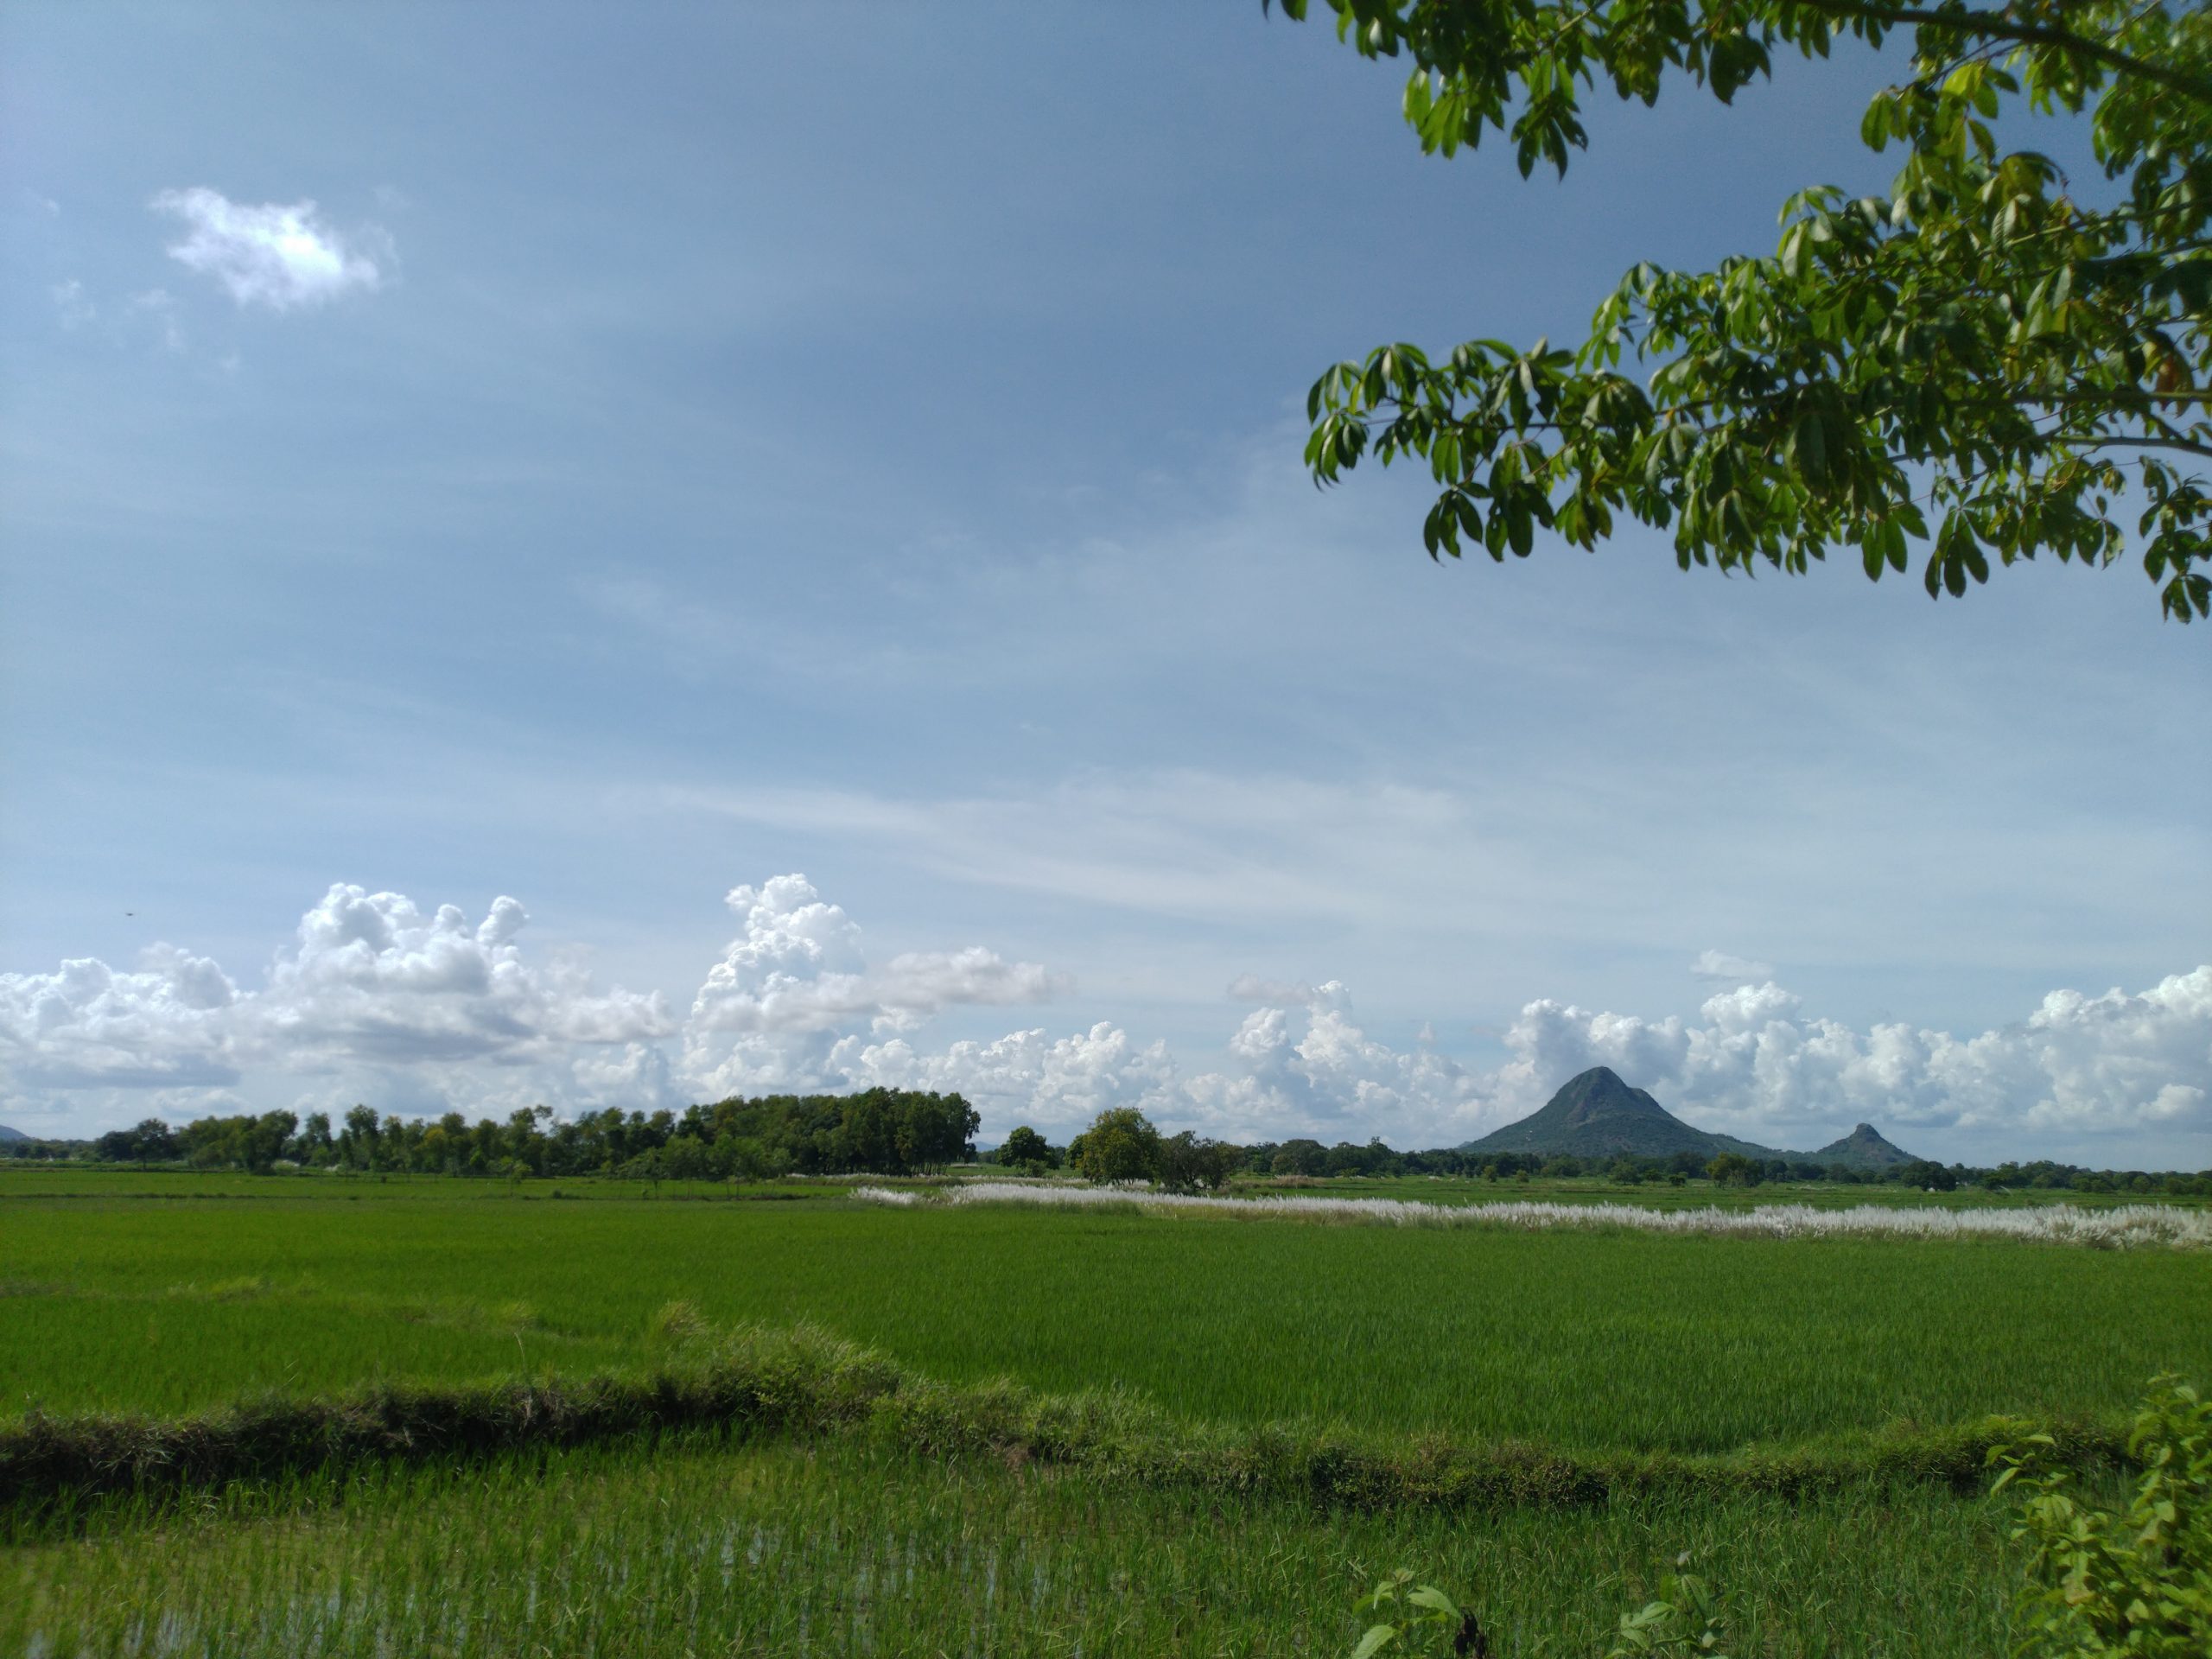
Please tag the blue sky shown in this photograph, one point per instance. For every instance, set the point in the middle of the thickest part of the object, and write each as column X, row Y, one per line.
column 685, row 448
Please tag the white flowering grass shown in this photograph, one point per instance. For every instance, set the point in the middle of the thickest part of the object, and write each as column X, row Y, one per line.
column 2123, row 1227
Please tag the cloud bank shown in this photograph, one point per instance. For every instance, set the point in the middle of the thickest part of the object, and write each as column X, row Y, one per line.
column 375, row 998
column 280, row 256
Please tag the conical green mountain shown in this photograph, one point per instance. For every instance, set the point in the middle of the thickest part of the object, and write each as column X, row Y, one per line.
column 1596, row 1116
column 1864, row 1145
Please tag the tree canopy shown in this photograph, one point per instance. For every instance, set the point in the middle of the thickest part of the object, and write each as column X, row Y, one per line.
column 1991, row 359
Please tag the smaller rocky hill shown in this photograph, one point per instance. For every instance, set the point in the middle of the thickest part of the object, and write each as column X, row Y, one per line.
column 1864, row 1145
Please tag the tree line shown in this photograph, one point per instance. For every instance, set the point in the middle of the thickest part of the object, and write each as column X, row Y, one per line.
column 879, row 1131
column 901, row 1132
column 1120, row 1145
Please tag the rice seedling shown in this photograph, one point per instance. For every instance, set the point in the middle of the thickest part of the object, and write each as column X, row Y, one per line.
column 844, row 1549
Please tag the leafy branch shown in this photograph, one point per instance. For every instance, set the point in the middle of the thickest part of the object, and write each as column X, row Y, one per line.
column 1974, row 340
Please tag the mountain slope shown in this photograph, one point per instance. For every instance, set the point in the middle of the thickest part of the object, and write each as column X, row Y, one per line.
column 1596, row 1116
column 7, row 1133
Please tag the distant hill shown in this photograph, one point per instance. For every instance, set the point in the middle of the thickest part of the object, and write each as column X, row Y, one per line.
column 1864, row 1145
column 7, row 1133
column 1598, row 1115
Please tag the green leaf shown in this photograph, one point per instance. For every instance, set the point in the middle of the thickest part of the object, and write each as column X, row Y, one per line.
column 1378, row 1638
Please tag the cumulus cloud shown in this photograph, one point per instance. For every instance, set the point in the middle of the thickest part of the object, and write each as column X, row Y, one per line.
column 1027, row 1074
column 279, row 255
column 170, row 1022
column 779, row 1011
column 369, row 983
column 797, row 966
column 378, row 998
column 1755, row 1063
column 371, row 977
column 1736, row 970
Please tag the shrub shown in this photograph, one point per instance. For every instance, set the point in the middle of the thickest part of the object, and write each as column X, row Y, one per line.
column 2138, row 1582
column 1683, row 1619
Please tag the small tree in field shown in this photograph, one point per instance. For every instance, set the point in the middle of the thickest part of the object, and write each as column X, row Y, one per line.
column 1730, row 1169
column 1025, row 1150
column 1120, row 1145
column 1187, row 1162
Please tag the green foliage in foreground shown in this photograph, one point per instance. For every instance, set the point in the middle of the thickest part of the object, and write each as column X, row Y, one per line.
column 2137, row 1581
column 1596, row 1342
column 2133, row 1581
column 841, row 1547
column 809, row 1384
column 1984, row 357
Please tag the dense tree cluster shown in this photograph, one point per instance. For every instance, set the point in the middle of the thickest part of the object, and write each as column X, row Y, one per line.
column 880, row 1131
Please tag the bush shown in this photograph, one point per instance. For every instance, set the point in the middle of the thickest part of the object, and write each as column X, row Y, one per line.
column 2138, row 1582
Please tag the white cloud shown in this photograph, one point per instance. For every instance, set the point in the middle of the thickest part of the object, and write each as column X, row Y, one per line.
column 371, row 978
column 377, row 999
column 1027, row 1075
column 770, row 1013
column 278, row 255
column 1755, row 1064
column 799, row 966
column 1718, row 964
column 86, row 1025
column 370, row 984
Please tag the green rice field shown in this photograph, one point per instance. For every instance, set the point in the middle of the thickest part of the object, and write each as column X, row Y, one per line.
column 776, row 1549
column 1587, row 1340
column 1594, row 1343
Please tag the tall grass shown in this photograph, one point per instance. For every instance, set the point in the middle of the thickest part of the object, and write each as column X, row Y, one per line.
column 840, row 1548
column 2127, row 1226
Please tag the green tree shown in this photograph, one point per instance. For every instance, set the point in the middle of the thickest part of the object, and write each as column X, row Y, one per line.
column 1186, row 1162
column 1984, row 359
column 357, row 1142
column 1729, row 1168
column 1120, row 1145
column 1025, row 1150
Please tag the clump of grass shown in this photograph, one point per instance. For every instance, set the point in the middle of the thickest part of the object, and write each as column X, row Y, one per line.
column 676, row 1325
column 808, row 1383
